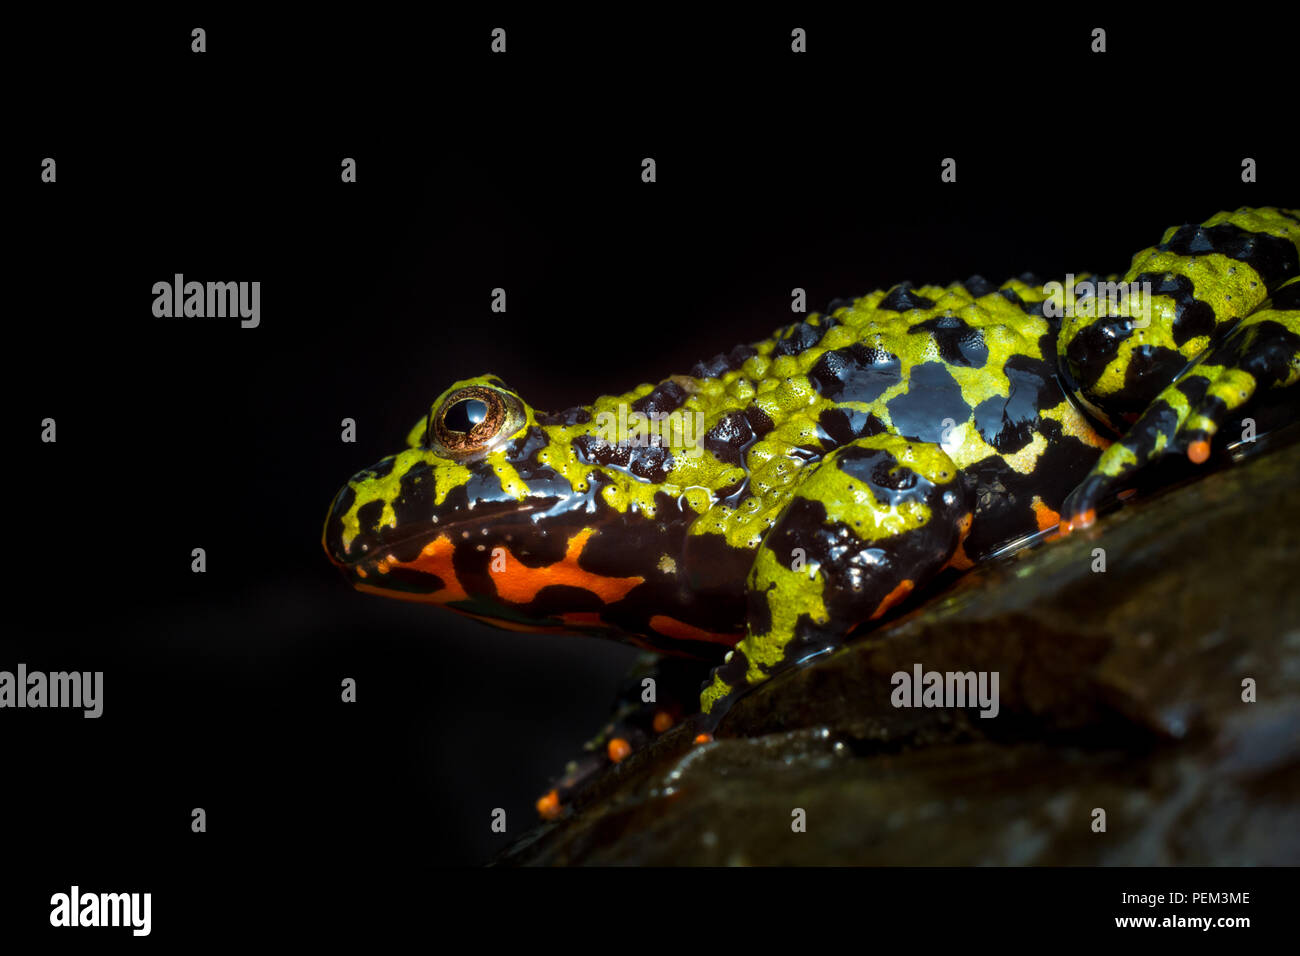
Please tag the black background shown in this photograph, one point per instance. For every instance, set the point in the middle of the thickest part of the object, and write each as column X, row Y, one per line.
column 475, row 171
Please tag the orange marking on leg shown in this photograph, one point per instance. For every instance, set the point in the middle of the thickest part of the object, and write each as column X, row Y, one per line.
column 1079, row 522
column 663, row 721
column 548, row 807
column 1126, row 494
column 1047, row 518
column 959, row 560
column 703, row 738
column 672, row 627
column 1198, row 452
column 893, row 597
column 519, row 583
column 618, row 750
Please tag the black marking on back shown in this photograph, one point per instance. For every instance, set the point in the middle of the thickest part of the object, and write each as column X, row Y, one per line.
column 855, row 373
column 1192, row 317
column 1013, row 297
column 651, row 462
column 729, row 438
column 1008, row 423
column 843, row 425
column 723, row 362
column 933, row 396
column 794, row 339
column 665, row 397
column 901, row 298
column 759, row 420
column 1274, row 258
column 1094, row 347
column 959, row 344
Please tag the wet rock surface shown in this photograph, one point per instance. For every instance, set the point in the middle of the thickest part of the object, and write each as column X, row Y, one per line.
column 1118, row 690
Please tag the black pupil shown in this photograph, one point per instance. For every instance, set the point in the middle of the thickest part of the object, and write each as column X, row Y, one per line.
column 464, row 415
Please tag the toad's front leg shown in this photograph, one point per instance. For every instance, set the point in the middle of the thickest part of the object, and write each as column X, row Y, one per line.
column 873, row 521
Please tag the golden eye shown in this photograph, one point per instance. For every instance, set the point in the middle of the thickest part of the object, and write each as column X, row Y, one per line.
column 473, row 420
